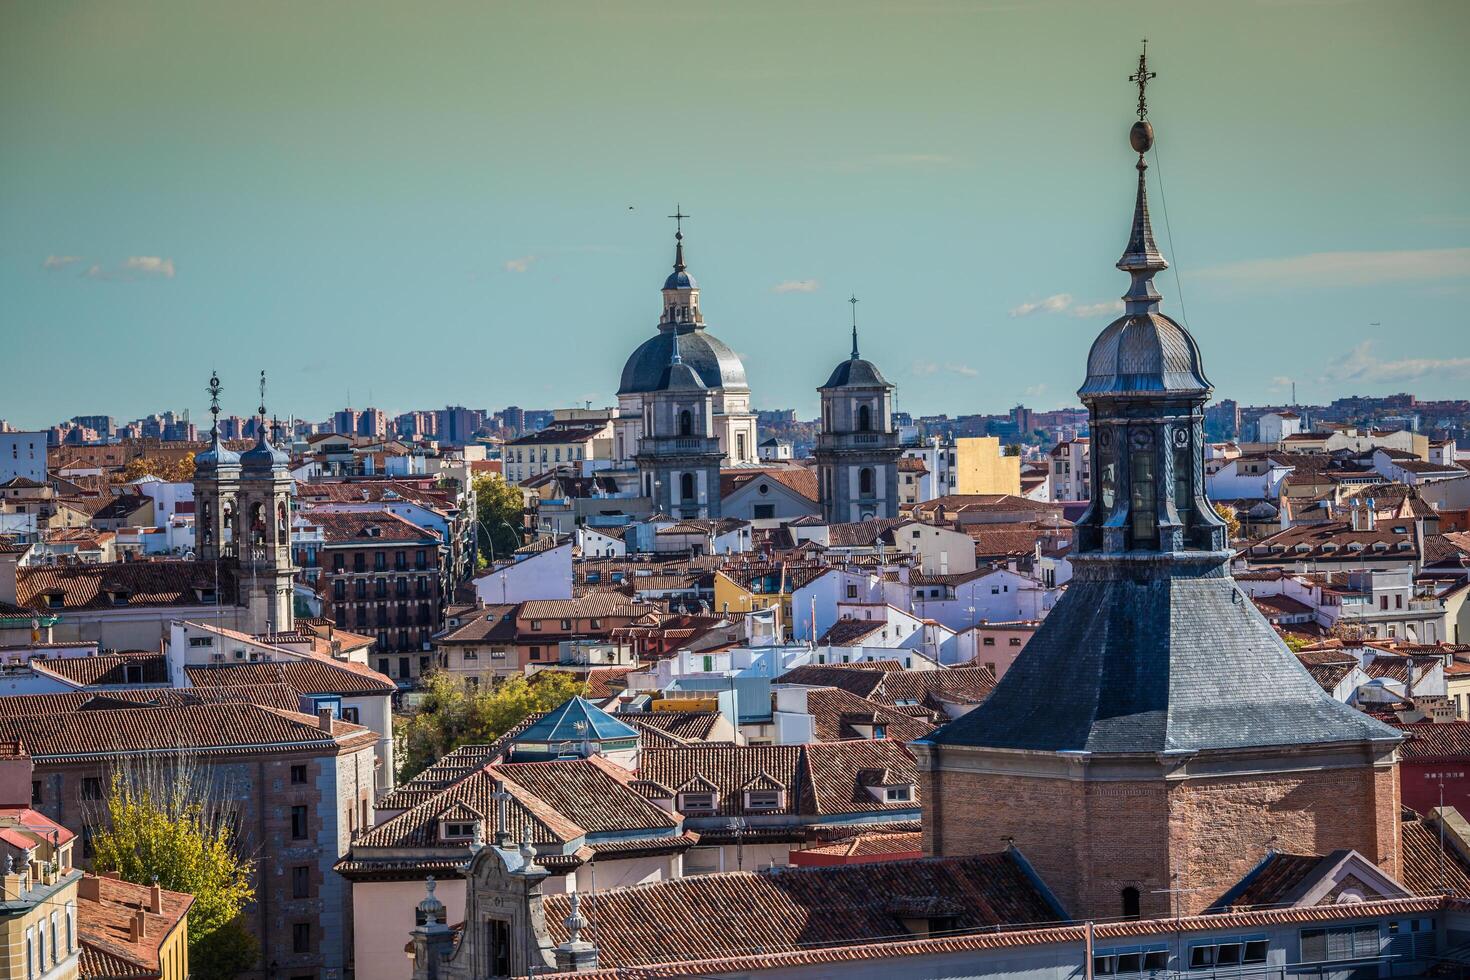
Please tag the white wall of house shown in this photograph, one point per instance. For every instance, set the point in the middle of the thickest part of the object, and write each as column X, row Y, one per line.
column 545, row 575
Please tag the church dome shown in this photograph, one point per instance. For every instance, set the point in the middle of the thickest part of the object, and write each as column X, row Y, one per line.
column 715, row 364
column 264, row 456
column 217, row 456
column 855, row 372
column 1144, row 354
column 680, row 279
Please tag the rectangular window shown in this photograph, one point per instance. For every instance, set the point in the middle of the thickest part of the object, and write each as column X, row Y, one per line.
column 301, row 881
column 763, row 800
column 535, row 625
column 1142, row 503
column 380, row 561
column 697, row 803
column 301, row 937
column 201, row 641
column 566, row 625
column 989, row 641
column 535, row 653
column 497, row 943
column 298, row 775
column 298, row 823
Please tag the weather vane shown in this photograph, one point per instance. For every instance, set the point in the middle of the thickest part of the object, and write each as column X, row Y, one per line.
column 854, row 301
column 214, row 390
column 262, row 395
column 679, row 217
column 1141, row 78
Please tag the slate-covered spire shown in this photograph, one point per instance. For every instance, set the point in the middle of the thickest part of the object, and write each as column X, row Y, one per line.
column 854, row 301
column 680, row 277
column 1142, row 258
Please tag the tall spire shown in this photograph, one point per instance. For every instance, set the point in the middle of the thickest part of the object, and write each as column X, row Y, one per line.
column 214, row 390
column 1142, row 258
column 679, row 217
column 854, row 301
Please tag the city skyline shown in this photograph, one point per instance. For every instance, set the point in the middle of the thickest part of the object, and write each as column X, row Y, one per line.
column 967, row 187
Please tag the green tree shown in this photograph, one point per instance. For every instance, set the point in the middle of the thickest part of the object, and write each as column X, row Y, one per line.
column 452, row 715
column 1014, row 449
column 497, row 504
column 223, row 954
column 163, row 820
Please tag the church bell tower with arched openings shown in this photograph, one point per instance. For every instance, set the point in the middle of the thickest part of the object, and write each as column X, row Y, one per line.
column 263, row 530
column 1156, row 738
column 857, row 450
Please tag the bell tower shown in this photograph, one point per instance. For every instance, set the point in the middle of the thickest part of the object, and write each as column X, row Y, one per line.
column 857, row 450
column 679, row 453
column 216, row 487
column 1156, row 738
column 263, row 538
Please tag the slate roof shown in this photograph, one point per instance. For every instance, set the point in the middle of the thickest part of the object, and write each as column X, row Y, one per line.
column 702, row 916
column 716, row 364
column 856, row 372
column 1152, row 664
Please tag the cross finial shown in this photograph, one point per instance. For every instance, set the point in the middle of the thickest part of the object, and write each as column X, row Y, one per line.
column 854, row 301
column 1141, row 78
column 679, row 217
column 214, row 390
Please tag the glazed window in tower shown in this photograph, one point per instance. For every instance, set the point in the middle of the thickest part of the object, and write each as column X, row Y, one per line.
column 1107, row 470
column 740, row 447
column 865, row 481
column 1142, row 505
column 686, row 486
column 686, row 423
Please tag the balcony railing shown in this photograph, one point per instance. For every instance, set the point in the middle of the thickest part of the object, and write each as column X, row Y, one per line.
column 855, row 440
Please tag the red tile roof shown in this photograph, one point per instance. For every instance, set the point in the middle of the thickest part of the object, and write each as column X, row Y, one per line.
column 372, row 527
column 148, row 668
column 306, row 675
column 144, row 583
column 103, row 926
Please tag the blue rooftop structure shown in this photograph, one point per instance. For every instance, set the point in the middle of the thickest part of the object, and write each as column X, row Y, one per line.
column 570, row 724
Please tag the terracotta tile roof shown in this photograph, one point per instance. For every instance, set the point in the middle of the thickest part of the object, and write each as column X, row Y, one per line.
column 97, row 964
column 305, row 675
column 104, row 924
column 1328, row 674
column 1427, row 870
column 864, row 845
column 1271, row 882
column 208, row 728
column 1429, row 741
column 798, row 479
column 821, row 779
column 495, row 623
column 604, row 682
column 797, row 908
column 148, row 668
column 596, row 605
column 561, row 801
column 1281, row 605
column 561, row 434
column 865, row 534
column 835, row 711
column 689, row 726
column 1337, row 541
column 265, row 695
column 375, row 491
column 850, row 632
column 145, row 583
column 373, row 527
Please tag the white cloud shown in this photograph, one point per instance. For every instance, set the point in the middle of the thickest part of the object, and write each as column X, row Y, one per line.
column 962, row 369
column 1036, row 391
column 1360, row 364
column 797, row 286
column 1056, row 303
column 1334, row 269
column 925, row 368
column 54, row 262
column 1097, row 309
column 521, row 264
column 922, row 368
column 147, row 265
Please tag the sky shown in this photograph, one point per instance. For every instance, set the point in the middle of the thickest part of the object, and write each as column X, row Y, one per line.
column 413, row 205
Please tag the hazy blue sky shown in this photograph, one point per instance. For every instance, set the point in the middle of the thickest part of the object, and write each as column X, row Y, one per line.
column 443, row 202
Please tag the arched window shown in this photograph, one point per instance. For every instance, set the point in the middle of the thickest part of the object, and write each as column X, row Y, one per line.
column 865, row 419
column 686, row 423
column 282, row 530
column 257, row 523
column 1130, row 902
column 686, row 486
column 865, row 481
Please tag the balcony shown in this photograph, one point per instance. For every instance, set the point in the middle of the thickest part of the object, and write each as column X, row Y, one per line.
column 677, row 446
column 838, row 441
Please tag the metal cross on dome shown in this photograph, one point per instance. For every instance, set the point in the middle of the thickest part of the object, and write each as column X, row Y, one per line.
column 679, row 217
column 1141, row 79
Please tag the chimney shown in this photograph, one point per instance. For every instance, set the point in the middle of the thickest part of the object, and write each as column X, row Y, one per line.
column 89, row 889
column 138, row 927
column 324, row 719
column 155, row 898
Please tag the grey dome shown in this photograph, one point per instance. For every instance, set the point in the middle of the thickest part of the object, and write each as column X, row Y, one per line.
column 679, row 279
column 217, row 456
column 856, row 373
column 714, row 363
column 680, row 377
column 1144, row 354
column 264, row 456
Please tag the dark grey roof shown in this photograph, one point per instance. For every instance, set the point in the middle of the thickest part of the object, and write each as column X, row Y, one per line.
column 680, row 279
column 856, row 373
column 1144, row 354
column 217, row 456
column 1156, row 663
column 680, row 377
column 716, row 364
column 263, row 455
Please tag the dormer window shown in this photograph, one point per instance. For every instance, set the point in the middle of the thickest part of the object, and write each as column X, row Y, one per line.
column 764, row 799
column 458, row 830
column 898, row 794
column 697, row 803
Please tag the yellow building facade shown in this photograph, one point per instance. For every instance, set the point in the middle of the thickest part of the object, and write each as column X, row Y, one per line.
column 981, row 467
